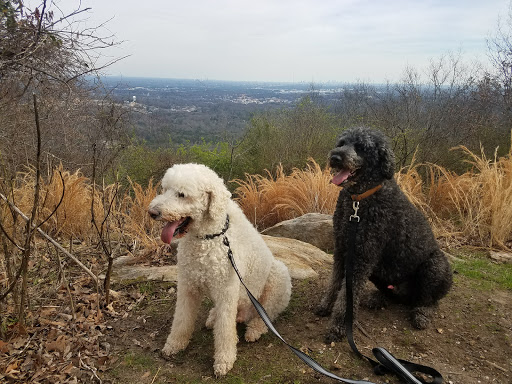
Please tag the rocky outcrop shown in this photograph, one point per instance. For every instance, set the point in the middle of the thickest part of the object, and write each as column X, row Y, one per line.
column 501, row 257
column 312, row 228
column 302, row 259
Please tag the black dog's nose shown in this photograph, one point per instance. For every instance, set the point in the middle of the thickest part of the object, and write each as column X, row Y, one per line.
column 154, row 213
column 336, row 158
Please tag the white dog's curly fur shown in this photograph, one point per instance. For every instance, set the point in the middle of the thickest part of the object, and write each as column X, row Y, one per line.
column 194, row 204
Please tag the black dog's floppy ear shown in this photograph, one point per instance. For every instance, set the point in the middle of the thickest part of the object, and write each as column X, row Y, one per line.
column 217, row 202
column 387, row 162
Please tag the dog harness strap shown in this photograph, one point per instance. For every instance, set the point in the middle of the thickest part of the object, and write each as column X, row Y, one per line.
column 366, row 194
column 266, row 319
column 386, row 363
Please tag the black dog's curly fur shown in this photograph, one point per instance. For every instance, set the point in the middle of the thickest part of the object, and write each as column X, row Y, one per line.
column 395, row 247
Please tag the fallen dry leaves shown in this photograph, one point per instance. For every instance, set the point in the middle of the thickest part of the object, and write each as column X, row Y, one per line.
column 63, row 342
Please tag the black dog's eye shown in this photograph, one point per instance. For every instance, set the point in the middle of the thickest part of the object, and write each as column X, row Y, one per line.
column 180, row 194
column 359, row 147
column 341, row 143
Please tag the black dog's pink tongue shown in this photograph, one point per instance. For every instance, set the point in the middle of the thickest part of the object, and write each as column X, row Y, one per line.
column 340, row 177
column 168, row 231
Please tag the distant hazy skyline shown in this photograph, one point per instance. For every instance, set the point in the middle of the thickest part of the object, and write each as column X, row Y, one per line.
column 299, row 40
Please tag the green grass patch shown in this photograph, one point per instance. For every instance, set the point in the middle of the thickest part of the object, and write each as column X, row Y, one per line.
column 477, row 266
column 139, row 361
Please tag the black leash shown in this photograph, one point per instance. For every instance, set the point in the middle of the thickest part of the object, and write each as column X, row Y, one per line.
column 301, row 355
column 263, row 314
column 386, row 362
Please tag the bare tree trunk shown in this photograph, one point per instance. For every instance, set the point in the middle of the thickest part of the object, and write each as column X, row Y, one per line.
column 103, row 229
column 29, row 229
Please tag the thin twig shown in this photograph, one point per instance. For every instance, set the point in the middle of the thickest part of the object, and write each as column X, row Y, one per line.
column 9, row 238
column 58, row 204
column 92, row 369
column 19, row 353
column 156, row 374
column 65, row 281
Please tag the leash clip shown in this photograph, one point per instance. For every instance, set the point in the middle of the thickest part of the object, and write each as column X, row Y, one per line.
column 355, row 206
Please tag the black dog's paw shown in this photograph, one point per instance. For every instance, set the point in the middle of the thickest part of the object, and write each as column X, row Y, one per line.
column 421, row 317
column 375, row 300
column 336, row 333
column 322, row 310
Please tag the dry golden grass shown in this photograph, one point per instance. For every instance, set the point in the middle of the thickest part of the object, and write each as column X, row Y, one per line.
column 428, row 196
column 73, row 216
column 473, row 208
column 136, row 222
column 126, row 213
column 482, row 200
column 267, row 201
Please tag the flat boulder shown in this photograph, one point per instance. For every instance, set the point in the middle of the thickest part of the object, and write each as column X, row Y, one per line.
column 312, row 228
column 127, row 269
column 302, row 259
column 501, row 257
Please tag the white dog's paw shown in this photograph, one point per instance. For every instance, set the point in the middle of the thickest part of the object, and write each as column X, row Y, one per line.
column 252, row 335
column 173, row 347
column 255, row 329
column 221, row 368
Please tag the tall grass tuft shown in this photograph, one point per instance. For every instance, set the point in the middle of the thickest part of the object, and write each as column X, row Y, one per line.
column 474, row 208
column 72, row 218
column 267, row 201
column 482, row 200
column 136, row 221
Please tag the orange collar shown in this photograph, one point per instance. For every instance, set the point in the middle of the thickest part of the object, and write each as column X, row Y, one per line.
column 366, row 194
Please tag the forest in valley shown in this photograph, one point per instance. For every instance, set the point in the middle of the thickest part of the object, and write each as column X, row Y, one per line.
column 81, row 155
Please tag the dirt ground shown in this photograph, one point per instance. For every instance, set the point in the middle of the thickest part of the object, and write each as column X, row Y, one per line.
column 470, row 340
column 69, row 341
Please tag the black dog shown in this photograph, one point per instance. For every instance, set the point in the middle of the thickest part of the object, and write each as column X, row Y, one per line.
column 394, row 245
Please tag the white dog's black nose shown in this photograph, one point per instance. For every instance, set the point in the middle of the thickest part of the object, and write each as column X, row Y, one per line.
column 154, row 213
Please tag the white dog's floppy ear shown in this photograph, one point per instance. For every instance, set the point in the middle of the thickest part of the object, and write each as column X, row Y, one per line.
column 217, row 202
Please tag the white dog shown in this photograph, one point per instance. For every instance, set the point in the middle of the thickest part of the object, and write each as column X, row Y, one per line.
column 195, row 204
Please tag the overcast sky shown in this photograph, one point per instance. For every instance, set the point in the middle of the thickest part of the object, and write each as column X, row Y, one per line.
column 293, row 40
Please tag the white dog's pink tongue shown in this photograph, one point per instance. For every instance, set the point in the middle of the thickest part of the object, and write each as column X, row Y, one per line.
column 340, row 177
column 168, row 231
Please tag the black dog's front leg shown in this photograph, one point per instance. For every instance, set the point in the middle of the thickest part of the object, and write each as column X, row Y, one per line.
column 326, row 304
column 337, row 322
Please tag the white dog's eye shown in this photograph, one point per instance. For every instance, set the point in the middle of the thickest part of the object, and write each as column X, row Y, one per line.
column 180, row 194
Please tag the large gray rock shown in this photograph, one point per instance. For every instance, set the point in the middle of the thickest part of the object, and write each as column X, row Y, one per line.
column 312, row 228
column 302, row 259
column 501, row 257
